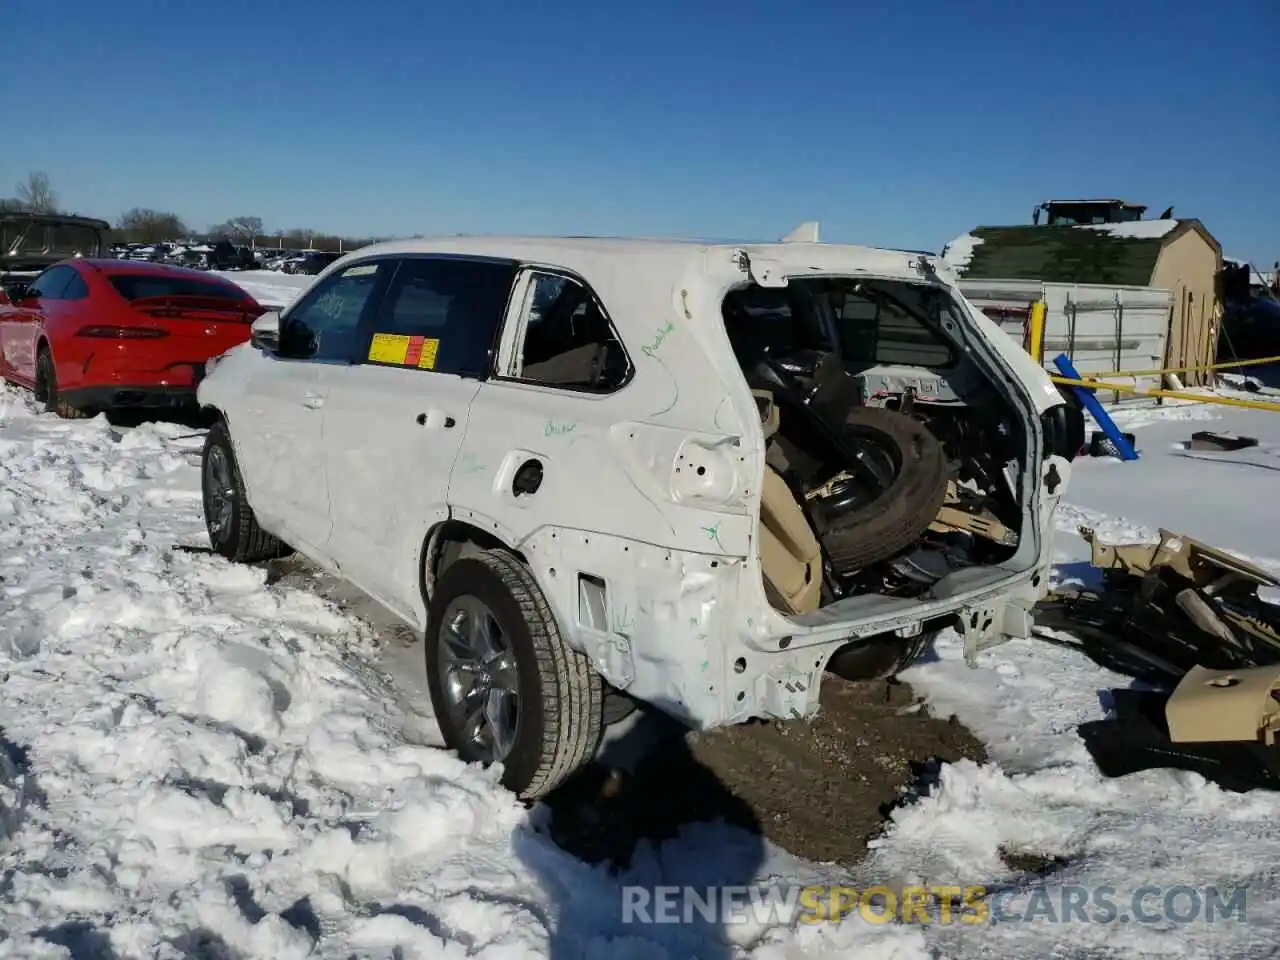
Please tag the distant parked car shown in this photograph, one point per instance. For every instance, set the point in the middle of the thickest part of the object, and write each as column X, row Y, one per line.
column 30, row 242
column 311, row 263
column 96, row 334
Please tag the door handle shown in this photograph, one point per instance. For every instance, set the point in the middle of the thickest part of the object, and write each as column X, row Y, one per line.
column 313, row 401
column 448, row 423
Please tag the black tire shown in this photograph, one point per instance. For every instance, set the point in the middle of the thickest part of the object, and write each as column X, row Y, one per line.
column 560, row 719
column 880, row 657
column 858, row 537
column 240, row 540
column 47, row 389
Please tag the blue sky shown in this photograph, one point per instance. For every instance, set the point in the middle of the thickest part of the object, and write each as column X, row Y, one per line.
column 896, row 124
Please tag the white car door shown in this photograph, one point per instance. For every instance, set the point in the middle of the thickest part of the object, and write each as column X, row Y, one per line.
column 279, row 433
column 394, row 421
column 559, row 390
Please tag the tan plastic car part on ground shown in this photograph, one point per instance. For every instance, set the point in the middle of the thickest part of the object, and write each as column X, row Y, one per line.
column 1210, row 570
column 1225, row 705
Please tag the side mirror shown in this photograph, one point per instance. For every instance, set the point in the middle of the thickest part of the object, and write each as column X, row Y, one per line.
column 265, row 332
column 19, row 291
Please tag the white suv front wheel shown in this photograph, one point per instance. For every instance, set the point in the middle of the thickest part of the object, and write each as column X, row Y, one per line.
column 505, row 686
column 233, row 529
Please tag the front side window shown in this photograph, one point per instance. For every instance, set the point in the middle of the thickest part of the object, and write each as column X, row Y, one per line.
column 441, row 314
column 568, row 340
column 325, row 323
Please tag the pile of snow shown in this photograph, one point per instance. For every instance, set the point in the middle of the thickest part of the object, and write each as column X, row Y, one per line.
column 194, row 762
column 959, row 252
column 1043, row 795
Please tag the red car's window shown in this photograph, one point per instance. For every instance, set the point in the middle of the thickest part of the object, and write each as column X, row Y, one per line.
column 141, row 287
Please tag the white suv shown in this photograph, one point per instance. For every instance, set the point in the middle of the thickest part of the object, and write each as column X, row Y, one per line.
column 596, row 471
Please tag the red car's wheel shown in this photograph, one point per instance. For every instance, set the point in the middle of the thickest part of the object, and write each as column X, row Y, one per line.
column 47, row 389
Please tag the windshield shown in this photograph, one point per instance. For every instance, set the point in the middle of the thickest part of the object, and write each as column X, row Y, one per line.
column 867, row 322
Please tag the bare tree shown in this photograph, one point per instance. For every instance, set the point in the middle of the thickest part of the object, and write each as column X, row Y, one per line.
column 141, row 225
column 240, row 230
column 37, row 195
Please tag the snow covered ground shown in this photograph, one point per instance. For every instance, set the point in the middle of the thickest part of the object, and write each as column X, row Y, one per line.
column 195, row 762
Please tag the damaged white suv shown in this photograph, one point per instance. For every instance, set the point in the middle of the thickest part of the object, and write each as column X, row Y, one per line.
column 595, row 471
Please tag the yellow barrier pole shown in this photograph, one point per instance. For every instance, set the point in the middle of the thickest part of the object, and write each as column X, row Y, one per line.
column 1171, row 394
column 1035, row 331
column 1198, row 369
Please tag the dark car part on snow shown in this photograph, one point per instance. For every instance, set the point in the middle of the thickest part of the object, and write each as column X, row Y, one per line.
column 1168, row 607
column 1208, row 440
column 1100, row 445
column 1137, row 737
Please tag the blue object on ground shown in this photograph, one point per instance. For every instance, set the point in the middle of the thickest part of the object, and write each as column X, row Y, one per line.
column 1118, row 439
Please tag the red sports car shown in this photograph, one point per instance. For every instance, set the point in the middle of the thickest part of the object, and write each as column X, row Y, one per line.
column 90, row 335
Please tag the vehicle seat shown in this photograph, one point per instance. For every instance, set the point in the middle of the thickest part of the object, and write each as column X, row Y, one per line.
column 579, row 366
column 790, row 556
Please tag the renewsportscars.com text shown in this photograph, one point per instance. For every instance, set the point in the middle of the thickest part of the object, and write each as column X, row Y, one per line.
column 972, row 905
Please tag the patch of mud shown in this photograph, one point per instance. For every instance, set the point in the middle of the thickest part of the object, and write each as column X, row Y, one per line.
column 818, row 788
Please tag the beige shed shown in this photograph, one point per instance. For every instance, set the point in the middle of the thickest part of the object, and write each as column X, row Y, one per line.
column 1180, row 256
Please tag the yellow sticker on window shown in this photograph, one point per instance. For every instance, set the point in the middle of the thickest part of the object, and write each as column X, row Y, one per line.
column 404, row 351
column 427, row 359
column 388, row 348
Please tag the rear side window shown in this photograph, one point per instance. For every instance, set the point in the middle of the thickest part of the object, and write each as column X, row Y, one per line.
column 138, row 286
column 569, row 342
column 441, row 314
column 76, row 288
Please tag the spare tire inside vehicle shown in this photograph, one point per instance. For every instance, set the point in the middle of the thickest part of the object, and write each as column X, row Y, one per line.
column 859, row 527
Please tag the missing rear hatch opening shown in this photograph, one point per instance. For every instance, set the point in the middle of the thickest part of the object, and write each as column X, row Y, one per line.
column 892, row 460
